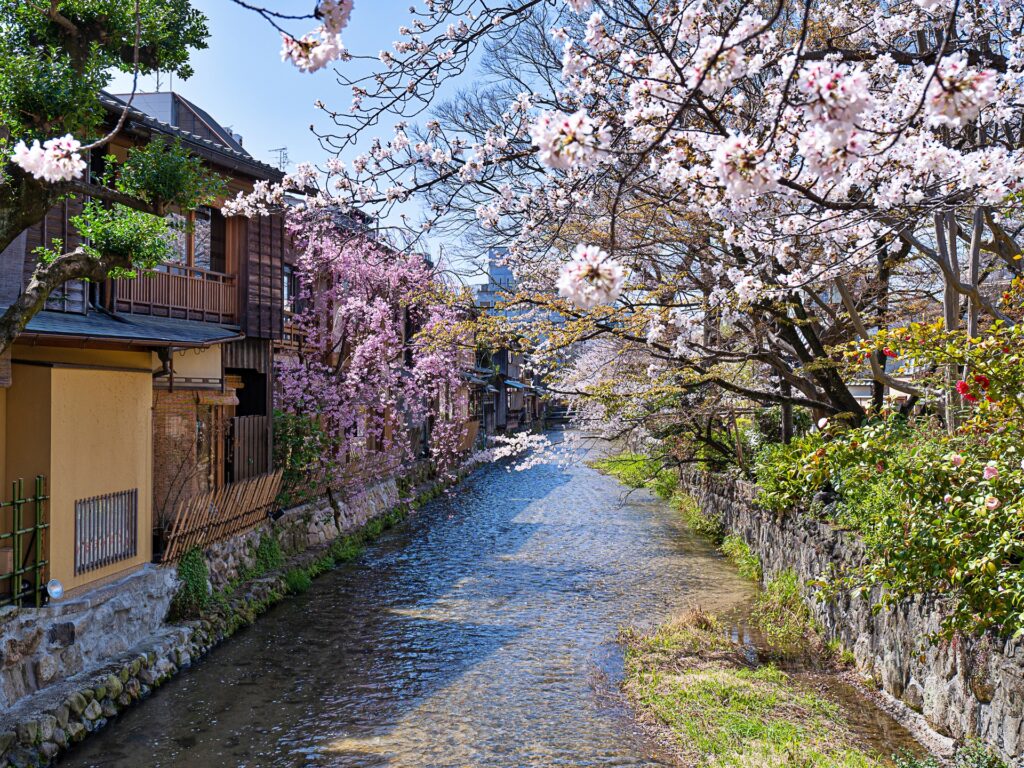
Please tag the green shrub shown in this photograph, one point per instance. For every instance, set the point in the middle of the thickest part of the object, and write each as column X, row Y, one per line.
column 322, row 564
column 639, row 471
column 346, row 549
column 303, row 449
column 696, row 520
column 738, row 551
column 780, row 611
column 269, row 556
column 193, row 593
column 297, row 581
column 952, row 503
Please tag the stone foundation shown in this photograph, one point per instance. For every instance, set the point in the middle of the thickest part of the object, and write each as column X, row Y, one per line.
column 41, row 646
column 968, row 687
column 309, row 525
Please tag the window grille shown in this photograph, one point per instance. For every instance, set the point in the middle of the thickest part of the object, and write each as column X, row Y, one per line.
column 106, row 529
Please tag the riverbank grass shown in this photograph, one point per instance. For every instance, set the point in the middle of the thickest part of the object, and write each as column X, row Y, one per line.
column 690, row 681
column 638, row 471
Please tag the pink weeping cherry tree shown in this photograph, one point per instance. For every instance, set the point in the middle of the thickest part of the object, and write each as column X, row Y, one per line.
column 378, row 369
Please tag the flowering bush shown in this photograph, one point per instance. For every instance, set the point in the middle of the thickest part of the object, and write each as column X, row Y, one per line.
column 938, row 514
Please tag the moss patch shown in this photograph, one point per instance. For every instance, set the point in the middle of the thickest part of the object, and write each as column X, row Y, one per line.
column 719, row 711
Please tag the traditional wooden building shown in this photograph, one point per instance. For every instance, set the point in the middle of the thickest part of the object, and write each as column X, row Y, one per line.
column 131, row 396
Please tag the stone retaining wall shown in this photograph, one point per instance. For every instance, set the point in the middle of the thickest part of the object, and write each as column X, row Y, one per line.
column 309, row 525
column 41, row 646
column 963, row 688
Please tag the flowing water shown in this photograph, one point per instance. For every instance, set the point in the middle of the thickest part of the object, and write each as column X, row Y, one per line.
column 481, row 632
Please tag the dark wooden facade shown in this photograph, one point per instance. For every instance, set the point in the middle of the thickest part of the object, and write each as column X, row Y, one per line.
column 261, row 278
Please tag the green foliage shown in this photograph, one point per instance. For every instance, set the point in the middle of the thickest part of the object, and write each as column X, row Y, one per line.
column 297, row 581
column 268, row 554
column 973, row 754
column 162, row 172
column 193, row 589
column 124, row 233
column 931, row 521
column 738, row 551
column 696, row 520
column 300, row 445
column 639, row 471
column 780, row 611
column 346, row 549
column 51, row 77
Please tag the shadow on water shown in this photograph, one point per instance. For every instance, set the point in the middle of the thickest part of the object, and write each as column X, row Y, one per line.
column 481, row 633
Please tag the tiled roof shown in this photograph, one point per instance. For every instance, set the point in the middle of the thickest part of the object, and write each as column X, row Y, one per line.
column 136, row 329
column 258, row 168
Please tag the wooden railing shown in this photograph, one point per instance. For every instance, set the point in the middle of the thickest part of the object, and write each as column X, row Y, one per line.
column 178, row 291
column 215, row 515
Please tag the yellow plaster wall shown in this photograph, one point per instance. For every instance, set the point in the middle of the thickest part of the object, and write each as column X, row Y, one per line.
column 198, row 363
column 102, row 442
column 27, row 433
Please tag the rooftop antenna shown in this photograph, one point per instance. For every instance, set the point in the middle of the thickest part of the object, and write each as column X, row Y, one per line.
column 282, row 157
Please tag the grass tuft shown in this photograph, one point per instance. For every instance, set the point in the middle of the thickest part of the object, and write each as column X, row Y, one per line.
column 780, row 611
column 696, row 520
column 740, row 554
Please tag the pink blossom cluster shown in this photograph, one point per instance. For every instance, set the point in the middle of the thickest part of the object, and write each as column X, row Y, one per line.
column 377, row 364
column 323, row 45
column 591, row 278
column 56, row 160
column 569, row 141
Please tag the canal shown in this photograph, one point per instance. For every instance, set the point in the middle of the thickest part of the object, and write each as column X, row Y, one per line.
column 481, row 632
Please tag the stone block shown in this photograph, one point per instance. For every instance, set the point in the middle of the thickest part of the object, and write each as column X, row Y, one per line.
column 61, row 635
column 47, row 725
column 76, row 703
column 93, row 711
column 28, row 732
column 49, row 750
column 47, row 669
column 7, row 738
column 113, row 685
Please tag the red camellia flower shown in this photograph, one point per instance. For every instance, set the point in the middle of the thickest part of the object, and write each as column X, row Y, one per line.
column 889, row 353
column 982, row 379
column 963, row 388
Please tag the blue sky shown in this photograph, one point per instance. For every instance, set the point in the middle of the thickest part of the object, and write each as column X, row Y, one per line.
column 241, row 80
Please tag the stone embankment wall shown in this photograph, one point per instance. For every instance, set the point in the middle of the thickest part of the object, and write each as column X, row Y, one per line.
column 967, row 687
column 66, row 669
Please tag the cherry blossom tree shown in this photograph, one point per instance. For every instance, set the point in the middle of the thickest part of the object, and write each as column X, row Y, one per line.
column 379, row 360
column 765, row 180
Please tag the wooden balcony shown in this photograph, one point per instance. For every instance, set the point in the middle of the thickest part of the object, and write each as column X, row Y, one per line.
column 182, row 292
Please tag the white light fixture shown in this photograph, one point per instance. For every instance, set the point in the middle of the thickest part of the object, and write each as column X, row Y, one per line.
column 54, row 589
